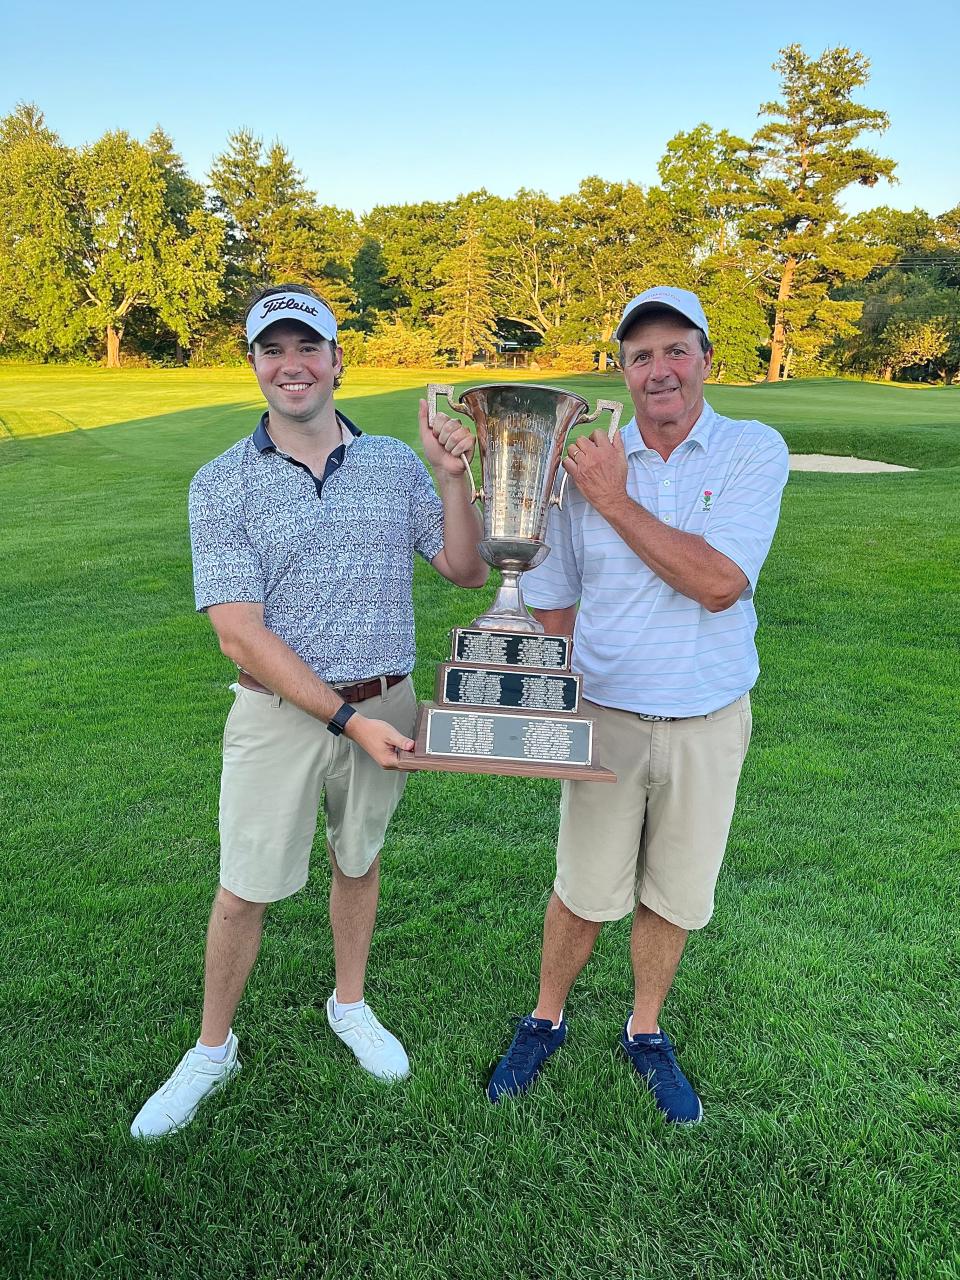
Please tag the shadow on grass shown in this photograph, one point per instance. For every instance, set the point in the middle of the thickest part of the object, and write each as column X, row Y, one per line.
column 183, row 439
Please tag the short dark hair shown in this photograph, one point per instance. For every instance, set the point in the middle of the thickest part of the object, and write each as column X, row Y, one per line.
column 268, row 291
column 667, row 313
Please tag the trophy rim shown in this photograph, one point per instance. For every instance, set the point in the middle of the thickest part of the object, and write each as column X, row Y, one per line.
column 532, row 386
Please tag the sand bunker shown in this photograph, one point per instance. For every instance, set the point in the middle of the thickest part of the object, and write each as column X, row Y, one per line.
column 827, row 462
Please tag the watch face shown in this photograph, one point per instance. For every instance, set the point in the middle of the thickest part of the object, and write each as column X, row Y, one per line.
column 338, row 720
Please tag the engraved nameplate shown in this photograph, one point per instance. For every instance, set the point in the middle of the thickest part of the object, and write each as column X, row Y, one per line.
column 535, row 739
column 521, row 690
column 511, row 649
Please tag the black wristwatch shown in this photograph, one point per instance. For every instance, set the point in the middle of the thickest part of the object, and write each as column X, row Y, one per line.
column 338, row 722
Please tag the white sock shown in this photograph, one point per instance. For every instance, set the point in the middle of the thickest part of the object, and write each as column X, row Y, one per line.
column 630, row 1028
column 339, row 1010
column 218, row 1052
column 553, row 1024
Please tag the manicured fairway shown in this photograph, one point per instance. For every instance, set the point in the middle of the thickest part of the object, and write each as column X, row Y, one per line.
column 818, row 1013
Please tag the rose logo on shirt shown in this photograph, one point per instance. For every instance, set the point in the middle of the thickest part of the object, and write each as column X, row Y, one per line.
column 707, row 499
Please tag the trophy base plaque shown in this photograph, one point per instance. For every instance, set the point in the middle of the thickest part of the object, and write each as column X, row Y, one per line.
column 507, row 703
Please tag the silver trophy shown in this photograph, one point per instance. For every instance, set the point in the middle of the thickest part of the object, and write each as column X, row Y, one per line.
column 521, row 432
column 508, row 701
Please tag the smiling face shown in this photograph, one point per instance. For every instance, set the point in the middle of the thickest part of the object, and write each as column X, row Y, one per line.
column 296, row 369
column 664, row 366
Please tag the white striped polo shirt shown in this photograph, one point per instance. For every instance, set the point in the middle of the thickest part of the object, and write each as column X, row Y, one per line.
column 639, row 644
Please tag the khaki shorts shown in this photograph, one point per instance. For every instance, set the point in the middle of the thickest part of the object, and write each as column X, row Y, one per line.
column 659, row 834
column 277, row 763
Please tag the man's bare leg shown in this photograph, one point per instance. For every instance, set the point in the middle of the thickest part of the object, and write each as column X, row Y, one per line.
column 233, row 941
column 353, row 913
column 656, row 946
column 567, row 943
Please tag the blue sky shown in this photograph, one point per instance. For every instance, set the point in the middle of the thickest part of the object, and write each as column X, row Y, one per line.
column 384, row 103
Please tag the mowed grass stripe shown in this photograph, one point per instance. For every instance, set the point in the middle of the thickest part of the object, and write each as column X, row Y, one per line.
column 817, row 1013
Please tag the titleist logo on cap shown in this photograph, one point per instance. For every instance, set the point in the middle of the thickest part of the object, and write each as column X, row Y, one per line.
column 296, row 308
column 286, row 304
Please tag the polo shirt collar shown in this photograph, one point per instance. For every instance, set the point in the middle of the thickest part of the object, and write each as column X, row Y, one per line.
column 261, row 437
column 702, row 429
column 698, row 435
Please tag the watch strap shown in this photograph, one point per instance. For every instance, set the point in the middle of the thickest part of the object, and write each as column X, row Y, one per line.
column 338, row 721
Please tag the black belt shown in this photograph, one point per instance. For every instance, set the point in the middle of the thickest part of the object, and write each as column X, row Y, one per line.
column 642, row 715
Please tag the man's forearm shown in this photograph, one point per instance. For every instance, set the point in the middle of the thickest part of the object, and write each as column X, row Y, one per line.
column 462, row 530
column 268, row 659
column 251, row 645
column 683, row 560
column 557, row 622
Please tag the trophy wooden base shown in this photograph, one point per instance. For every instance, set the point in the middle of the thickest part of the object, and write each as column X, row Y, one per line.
column 425, row 756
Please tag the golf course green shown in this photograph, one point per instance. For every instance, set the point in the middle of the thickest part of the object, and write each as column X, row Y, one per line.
column 817, row 1014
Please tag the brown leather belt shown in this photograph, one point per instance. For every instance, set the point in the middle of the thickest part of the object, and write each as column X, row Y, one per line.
column 348, row 692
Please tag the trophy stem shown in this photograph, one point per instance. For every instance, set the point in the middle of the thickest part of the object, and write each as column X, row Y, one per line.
column 508, row 612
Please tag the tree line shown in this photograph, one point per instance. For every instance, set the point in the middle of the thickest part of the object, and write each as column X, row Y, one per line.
column 113, row 251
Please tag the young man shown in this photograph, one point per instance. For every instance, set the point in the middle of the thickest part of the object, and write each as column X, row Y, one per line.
column 661, row 543
column 303, row 539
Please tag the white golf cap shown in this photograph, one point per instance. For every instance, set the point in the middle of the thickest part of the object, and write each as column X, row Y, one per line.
column 303, row 308
column 663, row 295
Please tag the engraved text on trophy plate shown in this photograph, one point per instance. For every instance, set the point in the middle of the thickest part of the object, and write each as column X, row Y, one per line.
column 534, row 739
column 522, row 690
column 511, row 649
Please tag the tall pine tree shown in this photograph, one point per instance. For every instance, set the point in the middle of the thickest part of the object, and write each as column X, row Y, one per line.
column 805, row 158
column 465, row 320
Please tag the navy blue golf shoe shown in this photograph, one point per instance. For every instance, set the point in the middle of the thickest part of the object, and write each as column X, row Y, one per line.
column 653, row 1059
column 533, row 1043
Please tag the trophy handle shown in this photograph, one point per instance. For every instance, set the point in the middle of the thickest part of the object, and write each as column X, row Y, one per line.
column 435, row 389
column 616, row 408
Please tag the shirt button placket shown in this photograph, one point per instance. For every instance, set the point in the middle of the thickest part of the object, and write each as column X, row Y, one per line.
column 666, row 496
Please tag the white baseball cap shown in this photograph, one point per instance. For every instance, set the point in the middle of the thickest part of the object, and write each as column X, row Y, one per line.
column 302, row 307
column 662, row 295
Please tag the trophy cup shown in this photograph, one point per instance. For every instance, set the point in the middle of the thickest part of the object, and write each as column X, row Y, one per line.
column 507, row 701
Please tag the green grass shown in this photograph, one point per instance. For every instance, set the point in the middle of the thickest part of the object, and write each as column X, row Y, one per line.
column 817, row 1013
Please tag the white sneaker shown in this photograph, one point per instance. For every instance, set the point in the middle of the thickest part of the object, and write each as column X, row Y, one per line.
column 373, row 1046
column 175, row 1103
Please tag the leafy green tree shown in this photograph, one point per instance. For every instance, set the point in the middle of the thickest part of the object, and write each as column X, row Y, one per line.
column 275, row 229
column 738, row 323
column 41, row 247
column 354, row 344
column 529, row 236
column 805, row 158
column 704, row 178
column 91, row 237
column 397, row 345
column 465, row 320
column 375, row 295
column 915, row 294
column 136, row 254
column 919, row 343
column 414, row 239
column 182, row 195
column 621, row 242
column 565, row 356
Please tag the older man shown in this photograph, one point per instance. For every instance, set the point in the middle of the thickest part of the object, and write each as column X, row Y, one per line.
column 304, row 536
column 660, row 543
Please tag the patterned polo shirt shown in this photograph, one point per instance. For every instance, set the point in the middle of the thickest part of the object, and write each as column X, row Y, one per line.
column 641, row 645
column 329, row 558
